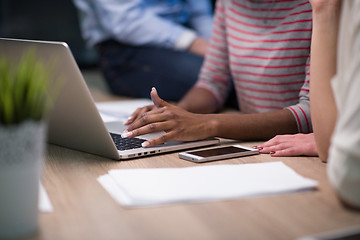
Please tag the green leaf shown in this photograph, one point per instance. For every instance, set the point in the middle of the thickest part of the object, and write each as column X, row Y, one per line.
column 24, row 89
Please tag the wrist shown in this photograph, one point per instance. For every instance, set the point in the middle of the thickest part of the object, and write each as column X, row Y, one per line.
column 213, row 123
column 198, row 46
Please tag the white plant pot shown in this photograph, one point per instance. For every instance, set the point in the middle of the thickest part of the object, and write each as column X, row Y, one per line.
column 22, row 150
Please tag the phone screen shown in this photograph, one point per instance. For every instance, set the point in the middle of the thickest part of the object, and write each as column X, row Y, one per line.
column 218, row 151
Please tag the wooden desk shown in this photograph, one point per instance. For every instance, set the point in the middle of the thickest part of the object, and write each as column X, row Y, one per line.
column 84, row 210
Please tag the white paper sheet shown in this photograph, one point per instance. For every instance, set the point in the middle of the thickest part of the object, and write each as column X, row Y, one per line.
column 120, row 110
column 44, row 201
column 146, row 187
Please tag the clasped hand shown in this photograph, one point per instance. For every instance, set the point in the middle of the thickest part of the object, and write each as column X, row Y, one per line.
column 178, row 124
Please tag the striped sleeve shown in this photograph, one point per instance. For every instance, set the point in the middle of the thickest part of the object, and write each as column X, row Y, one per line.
column 301, row 111
column 214, row 74
column 265, row 47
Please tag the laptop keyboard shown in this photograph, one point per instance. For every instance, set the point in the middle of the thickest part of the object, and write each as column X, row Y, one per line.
column 126, row 143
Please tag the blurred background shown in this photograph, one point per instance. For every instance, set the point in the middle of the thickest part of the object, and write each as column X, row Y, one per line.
column 53, row 20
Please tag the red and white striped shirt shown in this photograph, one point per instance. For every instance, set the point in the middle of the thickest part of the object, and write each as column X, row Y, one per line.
column 264, row 47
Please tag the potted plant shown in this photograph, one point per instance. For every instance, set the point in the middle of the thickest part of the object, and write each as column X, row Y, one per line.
column 24, row 104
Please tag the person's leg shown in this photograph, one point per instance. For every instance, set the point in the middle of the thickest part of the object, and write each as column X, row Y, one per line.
column 133, row 71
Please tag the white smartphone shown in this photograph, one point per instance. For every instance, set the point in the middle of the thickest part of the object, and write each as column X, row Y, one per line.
column 218, row 153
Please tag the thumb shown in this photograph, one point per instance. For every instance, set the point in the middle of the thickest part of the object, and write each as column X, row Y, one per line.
column 158, row 102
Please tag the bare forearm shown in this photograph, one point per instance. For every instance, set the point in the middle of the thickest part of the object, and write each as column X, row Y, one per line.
column 258, row 126
column 181, row 125
column 199, row 100
column 322, row 69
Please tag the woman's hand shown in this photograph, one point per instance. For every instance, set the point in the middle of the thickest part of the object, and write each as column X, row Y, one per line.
column 178, row 123
column 138, row 113
column 290, row 145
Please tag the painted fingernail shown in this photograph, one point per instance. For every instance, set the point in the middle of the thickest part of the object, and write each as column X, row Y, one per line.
column 126, row 134
column 145, row 144
column 272, row 152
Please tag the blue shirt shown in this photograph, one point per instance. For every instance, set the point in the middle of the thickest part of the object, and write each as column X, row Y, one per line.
column 145, row 22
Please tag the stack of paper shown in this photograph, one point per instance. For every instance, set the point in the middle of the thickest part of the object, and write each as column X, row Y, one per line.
column 143, row 187
column 120, row 110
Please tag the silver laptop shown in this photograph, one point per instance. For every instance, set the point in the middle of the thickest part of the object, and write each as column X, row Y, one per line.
column 74, row 121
